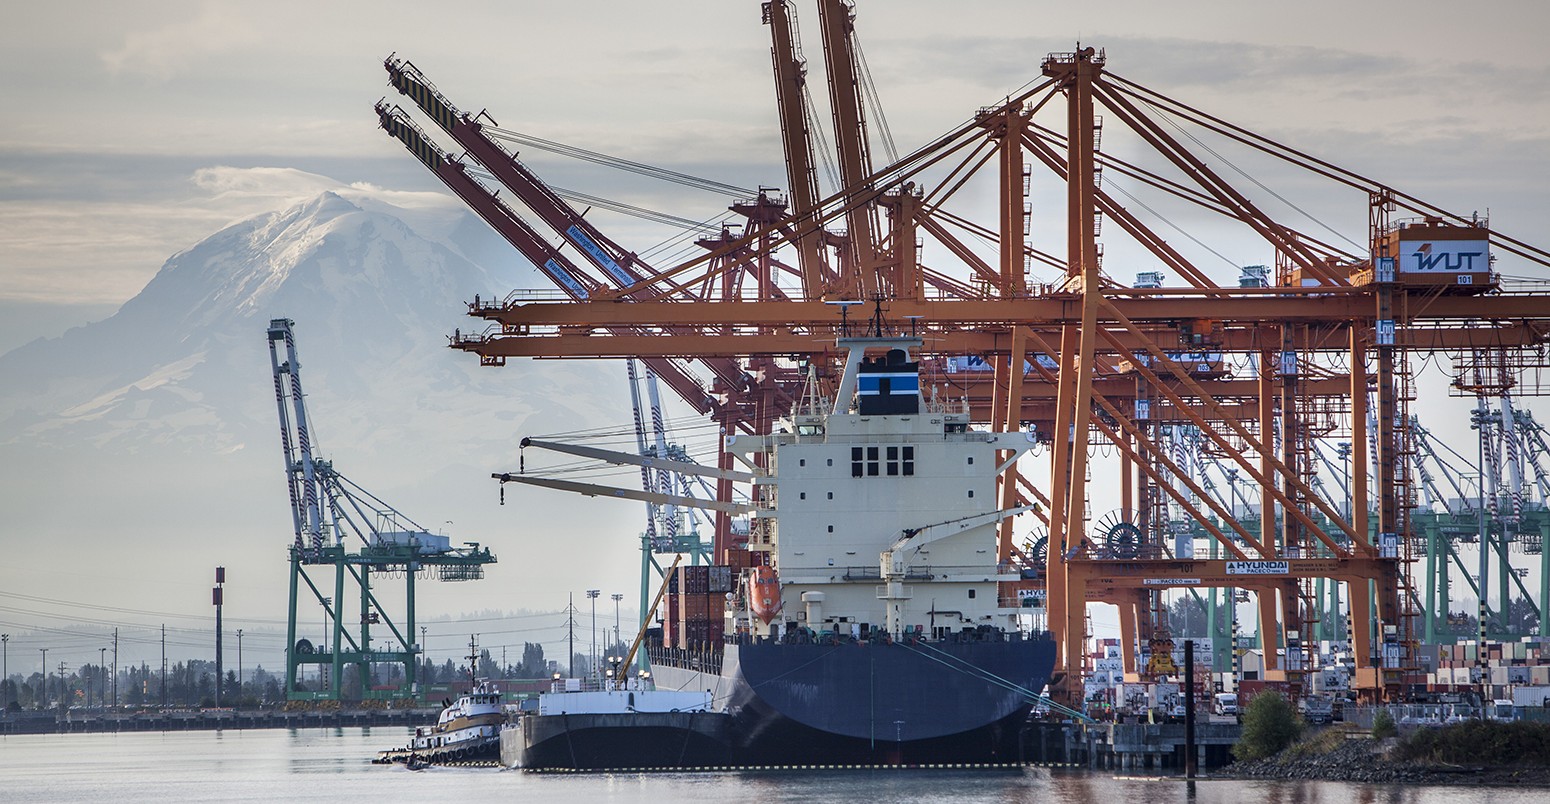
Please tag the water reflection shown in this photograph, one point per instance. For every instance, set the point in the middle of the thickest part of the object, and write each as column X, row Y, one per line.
column 335, row 763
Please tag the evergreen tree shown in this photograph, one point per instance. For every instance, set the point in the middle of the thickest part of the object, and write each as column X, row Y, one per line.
column 1269, row 726
column 533, row 663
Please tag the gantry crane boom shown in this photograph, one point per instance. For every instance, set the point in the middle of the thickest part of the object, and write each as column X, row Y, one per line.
column 301, row 475
column 524, row 238
column 501, row 217
column 621, row 267
column 860, row 276
column 796, row 138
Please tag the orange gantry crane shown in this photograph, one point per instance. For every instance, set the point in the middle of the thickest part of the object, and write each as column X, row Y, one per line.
column 1317, row 346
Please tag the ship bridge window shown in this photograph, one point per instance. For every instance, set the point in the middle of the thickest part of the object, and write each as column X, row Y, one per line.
column 874, row 461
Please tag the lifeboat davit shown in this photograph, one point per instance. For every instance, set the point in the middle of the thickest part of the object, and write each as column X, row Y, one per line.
column 764, row 593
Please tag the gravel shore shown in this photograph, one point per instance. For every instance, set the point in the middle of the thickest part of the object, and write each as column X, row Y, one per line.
column 1365, row 760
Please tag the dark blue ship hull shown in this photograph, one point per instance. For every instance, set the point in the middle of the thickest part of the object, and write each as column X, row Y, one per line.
column 873, row 703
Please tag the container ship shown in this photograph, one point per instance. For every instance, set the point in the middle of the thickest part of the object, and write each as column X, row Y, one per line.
column 863, row 625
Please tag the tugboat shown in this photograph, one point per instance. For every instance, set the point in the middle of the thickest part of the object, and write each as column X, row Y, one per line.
column 469, row 730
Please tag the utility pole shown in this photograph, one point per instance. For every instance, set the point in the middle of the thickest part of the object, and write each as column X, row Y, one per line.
column 5, row 670
column 115, row 667
column 570, row 623
column 164, row 664
column 102, row 678
column 45, row 677
column 64, row 689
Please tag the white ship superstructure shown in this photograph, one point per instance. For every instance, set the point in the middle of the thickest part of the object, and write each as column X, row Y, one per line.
column 880, row 510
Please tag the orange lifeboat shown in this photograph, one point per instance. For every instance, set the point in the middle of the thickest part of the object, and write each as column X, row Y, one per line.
column 764, row 593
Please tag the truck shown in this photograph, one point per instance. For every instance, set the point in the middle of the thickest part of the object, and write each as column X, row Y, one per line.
column 1318, row 708
column 1225, row 703
column 1500, row 709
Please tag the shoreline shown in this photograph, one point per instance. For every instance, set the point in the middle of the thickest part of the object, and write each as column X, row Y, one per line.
column 1364, row 761
column 209, row 720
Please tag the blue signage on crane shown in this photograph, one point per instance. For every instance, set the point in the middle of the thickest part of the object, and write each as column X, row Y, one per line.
column 557, row 272
column 591, row 247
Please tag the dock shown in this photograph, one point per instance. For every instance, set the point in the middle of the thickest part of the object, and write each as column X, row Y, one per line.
column 1128, row 746
column 74, row 722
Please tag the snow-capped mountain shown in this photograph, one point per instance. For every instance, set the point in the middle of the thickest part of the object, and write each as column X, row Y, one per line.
column 150, row 439
column 186, row 360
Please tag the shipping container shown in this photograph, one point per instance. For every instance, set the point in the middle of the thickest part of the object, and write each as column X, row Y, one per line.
column 695, row 607
column 696, row 580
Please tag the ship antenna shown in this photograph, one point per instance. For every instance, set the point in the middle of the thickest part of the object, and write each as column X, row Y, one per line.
column 473, row 661
column 811, row 401
column 877, row 316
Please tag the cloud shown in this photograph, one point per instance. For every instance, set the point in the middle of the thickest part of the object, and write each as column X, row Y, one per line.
column 163, row 53
column 270, row 185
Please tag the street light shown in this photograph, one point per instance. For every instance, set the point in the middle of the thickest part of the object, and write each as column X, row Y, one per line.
column 45, row 677
column 327, row 601
column 617, row 597
column 102, row 679
column 592, row 596
column 1343, row 450
column 239, row 664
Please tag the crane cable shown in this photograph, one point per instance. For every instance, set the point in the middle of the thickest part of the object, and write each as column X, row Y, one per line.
column 597, row 157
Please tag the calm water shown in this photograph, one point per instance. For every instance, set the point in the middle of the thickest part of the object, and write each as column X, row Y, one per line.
column 322, row 764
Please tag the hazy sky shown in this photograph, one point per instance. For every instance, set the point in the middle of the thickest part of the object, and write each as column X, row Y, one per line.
column 133, row 130
column 118, row 111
